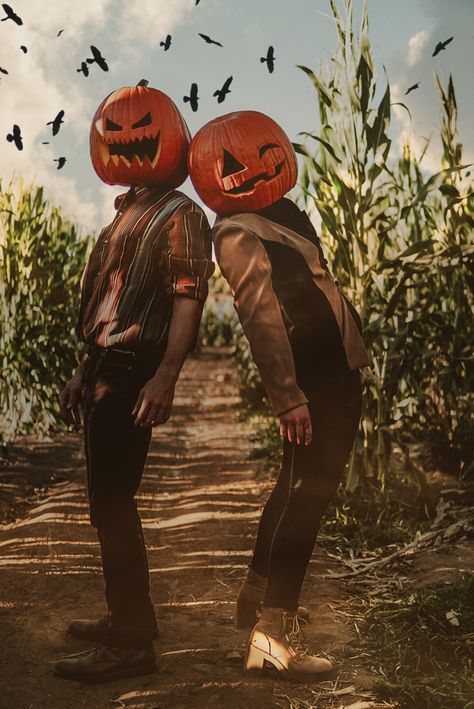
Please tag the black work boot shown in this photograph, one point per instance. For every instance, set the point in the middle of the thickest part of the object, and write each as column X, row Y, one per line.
column 94, row 630
column 105, row 663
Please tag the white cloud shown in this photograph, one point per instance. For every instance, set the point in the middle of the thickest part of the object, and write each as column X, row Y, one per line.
column 416, row 45
column 44, row 80
column 152, row 19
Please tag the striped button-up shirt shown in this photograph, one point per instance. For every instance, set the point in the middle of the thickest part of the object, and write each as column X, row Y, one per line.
column 157, row 247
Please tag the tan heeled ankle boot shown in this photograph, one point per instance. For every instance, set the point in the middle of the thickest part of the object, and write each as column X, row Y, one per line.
column 250, row 600
column 277, row 643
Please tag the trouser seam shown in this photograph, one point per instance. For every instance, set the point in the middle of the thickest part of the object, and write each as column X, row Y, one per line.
column 287, row 502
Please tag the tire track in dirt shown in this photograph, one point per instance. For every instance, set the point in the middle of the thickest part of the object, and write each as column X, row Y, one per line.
column 200, row 504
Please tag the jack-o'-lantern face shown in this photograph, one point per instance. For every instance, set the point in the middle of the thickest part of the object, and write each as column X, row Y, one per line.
column 241, row 162
column 138, row 137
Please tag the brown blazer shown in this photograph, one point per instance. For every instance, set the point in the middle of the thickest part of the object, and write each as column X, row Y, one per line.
column 240, row 251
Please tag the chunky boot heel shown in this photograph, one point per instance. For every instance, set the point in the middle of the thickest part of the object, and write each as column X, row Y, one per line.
column 254, row 661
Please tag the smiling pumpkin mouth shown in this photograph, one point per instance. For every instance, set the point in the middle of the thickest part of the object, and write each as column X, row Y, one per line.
column 141, row 150
column 249, row 184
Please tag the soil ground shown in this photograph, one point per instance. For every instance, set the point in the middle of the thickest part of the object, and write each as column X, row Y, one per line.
column 200, row 503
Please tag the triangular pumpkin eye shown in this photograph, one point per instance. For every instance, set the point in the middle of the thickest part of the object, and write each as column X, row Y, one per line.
column 110, row 125
column 145, row 121
column 231, row 165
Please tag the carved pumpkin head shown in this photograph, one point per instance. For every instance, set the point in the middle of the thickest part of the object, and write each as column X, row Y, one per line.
column 241, row 162
column 138, row 137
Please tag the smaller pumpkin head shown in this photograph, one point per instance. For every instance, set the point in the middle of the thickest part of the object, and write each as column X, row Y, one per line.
column 138, row 137
column 241, row 162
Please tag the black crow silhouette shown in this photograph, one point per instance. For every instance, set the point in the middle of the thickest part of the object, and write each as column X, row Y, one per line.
column 4, row 71
column 11, row 14
column 412, row 88
column 222, row 93
column 167, row 43
column 193, row 97
column 59, row 33
column 61, row 162
column 84, row 69
column 45, row 142
column 442, row 45
column 24, row 49
column 97, row 59
column 208, row 40
column 56, row 123
column 15, row 137
column 269, row 59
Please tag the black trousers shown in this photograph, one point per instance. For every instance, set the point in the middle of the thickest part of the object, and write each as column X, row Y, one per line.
column 116, row 451
column 308, row 480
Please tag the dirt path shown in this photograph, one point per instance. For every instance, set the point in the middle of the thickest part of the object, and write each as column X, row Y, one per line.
column 200, row 505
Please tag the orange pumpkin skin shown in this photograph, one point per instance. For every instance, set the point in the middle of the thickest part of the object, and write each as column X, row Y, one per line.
column 138, row 137
column 241, row 162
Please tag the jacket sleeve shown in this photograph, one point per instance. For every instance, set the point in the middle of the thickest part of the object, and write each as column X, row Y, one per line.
column 245, row 265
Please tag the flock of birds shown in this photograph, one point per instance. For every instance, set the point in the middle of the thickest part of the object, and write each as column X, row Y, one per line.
column 193, row 98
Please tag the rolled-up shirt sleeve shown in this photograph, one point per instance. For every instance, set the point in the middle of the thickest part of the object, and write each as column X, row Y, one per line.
column 189, row 254
column 245, row 265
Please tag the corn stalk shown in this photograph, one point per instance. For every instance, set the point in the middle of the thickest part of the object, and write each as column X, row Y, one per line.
column 41, row 260
column 400, row 244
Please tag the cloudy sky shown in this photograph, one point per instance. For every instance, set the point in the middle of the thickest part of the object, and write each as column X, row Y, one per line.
column 128, row 32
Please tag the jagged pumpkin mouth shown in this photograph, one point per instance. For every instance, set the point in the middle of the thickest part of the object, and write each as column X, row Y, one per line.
column 146, row 149
column 250, row 184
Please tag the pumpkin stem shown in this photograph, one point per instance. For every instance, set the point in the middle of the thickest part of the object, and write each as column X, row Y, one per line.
column 143, row 82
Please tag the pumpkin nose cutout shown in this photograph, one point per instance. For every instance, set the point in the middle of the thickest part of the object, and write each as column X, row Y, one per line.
column 231, row 165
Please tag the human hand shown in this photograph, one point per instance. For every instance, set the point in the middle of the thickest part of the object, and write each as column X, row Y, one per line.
column 71, row 398
column 296, row 425
column 154, row 401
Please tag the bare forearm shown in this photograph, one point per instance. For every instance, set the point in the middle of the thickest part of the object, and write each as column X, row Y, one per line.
column 182, row 334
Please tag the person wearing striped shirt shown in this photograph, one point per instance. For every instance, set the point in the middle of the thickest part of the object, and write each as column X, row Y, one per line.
column 143, row 291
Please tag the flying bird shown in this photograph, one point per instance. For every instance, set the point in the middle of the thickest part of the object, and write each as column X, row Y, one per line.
column 61, row 162
column 167, row 43
column 412, row 88
column 84, row 69
column 15, row 137
column 4, row 71
column 208, row 40
column 442, row 45
column 45, row 142
column 59, row 33
column 269, row 59
column 24, row 49
column 11, row 14
column 193, row 97
column 222, row 93
column 56, row 123
column 97, row 59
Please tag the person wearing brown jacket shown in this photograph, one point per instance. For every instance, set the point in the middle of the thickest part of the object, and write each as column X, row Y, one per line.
column 305, row 337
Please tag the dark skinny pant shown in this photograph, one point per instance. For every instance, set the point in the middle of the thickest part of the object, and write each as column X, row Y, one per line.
column 116, row 451
column 307, row 483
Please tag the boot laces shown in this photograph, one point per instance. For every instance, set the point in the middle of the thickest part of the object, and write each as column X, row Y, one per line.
column 296, row 635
